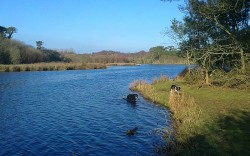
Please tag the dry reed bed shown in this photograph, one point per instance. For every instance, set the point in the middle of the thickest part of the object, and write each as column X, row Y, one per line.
column 50, row 67
column 121, row 64
column 184, row 111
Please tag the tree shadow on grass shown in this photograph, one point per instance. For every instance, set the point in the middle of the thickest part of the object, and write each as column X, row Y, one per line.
column 228, row 135
column 235, row 132
column 197, row 145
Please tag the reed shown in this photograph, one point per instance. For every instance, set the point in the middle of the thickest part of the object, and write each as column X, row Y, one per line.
column 161, row 79
column 147, row 90
column 51, row 67
column 121, row 64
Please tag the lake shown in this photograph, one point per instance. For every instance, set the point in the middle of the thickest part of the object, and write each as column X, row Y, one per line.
column 79, row 112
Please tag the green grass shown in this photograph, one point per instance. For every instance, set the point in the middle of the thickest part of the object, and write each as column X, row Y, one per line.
column 207, row 120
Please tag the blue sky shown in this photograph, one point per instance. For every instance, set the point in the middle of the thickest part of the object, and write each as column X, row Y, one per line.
column 91, row 25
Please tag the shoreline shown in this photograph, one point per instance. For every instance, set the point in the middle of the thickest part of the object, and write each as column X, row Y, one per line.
column 202, row 117
column 59, row 66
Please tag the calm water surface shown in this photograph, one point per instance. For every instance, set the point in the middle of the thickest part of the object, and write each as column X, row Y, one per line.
column 78, row 112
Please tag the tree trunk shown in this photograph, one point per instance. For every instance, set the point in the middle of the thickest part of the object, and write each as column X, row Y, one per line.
column 188, row 63
column 10, row 34
column 206, row 77
column 243, row 66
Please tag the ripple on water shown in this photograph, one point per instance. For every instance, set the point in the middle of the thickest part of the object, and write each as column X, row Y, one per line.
column 78, row 112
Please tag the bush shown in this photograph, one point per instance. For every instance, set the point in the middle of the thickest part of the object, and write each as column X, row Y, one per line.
column 7, row 69
column 196, row 76
column 183, row 73
column 27, row 68
column 16, row 69
column 218, row 78
column 238, row 81
column 70, row 68
column 38, row 68
column 162, row 78
column 137, row 85
column 45, row 68
column 233, row 79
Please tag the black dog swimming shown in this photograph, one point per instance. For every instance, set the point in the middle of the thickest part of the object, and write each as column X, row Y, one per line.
column 175, row 88
column 132, row 131
column 132, row 98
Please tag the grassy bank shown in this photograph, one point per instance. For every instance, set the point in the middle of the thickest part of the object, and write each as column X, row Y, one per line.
column 207, row 120
column 51, row 67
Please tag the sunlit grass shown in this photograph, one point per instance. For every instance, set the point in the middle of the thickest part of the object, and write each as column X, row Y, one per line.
column 207, row 120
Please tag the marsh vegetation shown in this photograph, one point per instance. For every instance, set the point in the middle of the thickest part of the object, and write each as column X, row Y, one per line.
column 51, row 67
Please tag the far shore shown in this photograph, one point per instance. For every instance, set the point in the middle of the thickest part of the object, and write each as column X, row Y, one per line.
column 122, row 64
column 54, row 66
column 51, row 67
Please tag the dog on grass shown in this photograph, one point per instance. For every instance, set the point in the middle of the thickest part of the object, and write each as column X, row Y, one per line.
column 175, row 89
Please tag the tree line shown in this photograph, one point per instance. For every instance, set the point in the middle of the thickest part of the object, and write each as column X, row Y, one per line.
column 155, row 55
column 16, row 52
column 214, row 34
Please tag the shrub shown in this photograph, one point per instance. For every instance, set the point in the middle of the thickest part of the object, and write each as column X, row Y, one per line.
column 7, row 69
column 70, row 68
column 182, row 74
column 16, row 69
column 233, row 79
column 51, row 68
column 196, row 76
column 45, row 68
column 162, row 78
column 238, row 81
column 26, row 68
column 39, row 68
column 146, row 89
column 137, row 85
column 218, row 78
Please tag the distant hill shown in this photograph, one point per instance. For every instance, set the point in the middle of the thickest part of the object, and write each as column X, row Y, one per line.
column 142, row 57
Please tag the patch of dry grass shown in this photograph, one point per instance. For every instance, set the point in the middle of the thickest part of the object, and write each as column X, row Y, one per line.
column 161, row 79
column 146, row 89
column 50, row 67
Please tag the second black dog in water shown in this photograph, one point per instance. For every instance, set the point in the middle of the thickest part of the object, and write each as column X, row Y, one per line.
column 132, row 98
column 132, row 131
